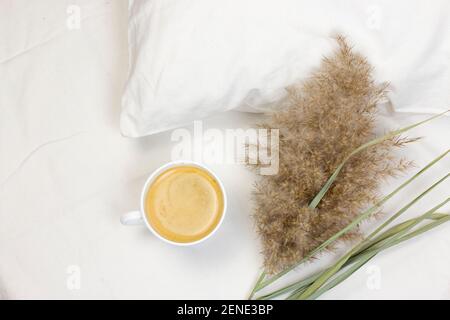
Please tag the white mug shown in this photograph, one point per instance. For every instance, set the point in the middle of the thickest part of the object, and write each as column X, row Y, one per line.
column 140, row 218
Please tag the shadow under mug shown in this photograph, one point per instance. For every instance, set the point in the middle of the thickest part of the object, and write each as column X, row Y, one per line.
column 139, row 217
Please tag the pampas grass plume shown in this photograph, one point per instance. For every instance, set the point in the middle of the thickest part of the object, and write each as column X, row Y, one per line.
column 323, row 120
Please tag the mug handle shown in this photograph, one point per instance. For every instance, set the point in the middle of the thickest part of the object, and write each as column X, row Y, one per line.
column 132, row 218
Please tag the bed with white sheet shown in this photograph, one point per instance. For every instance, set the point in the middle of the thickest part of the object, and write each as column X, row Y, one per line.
column 67, row 174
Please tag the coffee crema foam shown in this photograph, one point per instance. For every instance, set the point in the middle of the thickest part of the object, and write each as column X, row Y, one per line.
column 184, row 204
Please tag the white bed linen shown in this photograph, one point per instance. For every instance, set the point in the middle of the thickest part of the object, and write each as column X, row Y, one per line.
column 193, row 59
column 66, row 176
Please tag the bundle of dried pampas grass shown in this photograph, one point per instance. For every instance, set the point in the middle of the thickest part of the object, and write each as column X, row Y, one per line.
column 321, row 122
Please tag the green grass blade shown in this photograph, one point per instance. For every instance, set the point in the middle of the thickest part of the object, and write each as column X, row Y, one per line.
column 373, row 142
column 325, row 276
column 353, row 224
column 418, row 220
column 372, row 252
column 410, row 235
column 294, row 295
column 344, row 275
column 338, row 265
column 400, row 212
column 292, row 287
column 396, row 229
column 258, row 282
column 296, row 287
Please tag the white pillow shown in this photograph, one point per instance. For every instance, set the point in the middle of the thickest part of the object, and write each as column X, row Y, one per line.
column 191, row 59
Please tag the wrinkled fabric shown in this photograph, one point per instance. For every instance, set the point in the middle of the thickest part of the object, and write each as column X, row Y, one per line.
column 67, row 175
column 193, row 59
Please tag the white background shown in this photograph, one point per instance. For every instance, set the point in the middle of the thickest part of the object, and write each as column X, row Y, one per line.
column 66, row 176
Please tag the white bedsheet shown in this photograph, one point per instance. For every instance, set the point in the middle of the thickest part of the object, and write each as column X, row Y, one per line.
column 66, row 176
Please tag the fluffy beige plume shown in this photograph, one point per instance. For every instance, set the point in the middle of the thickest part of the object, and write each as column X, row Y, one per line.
column 323, row 120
